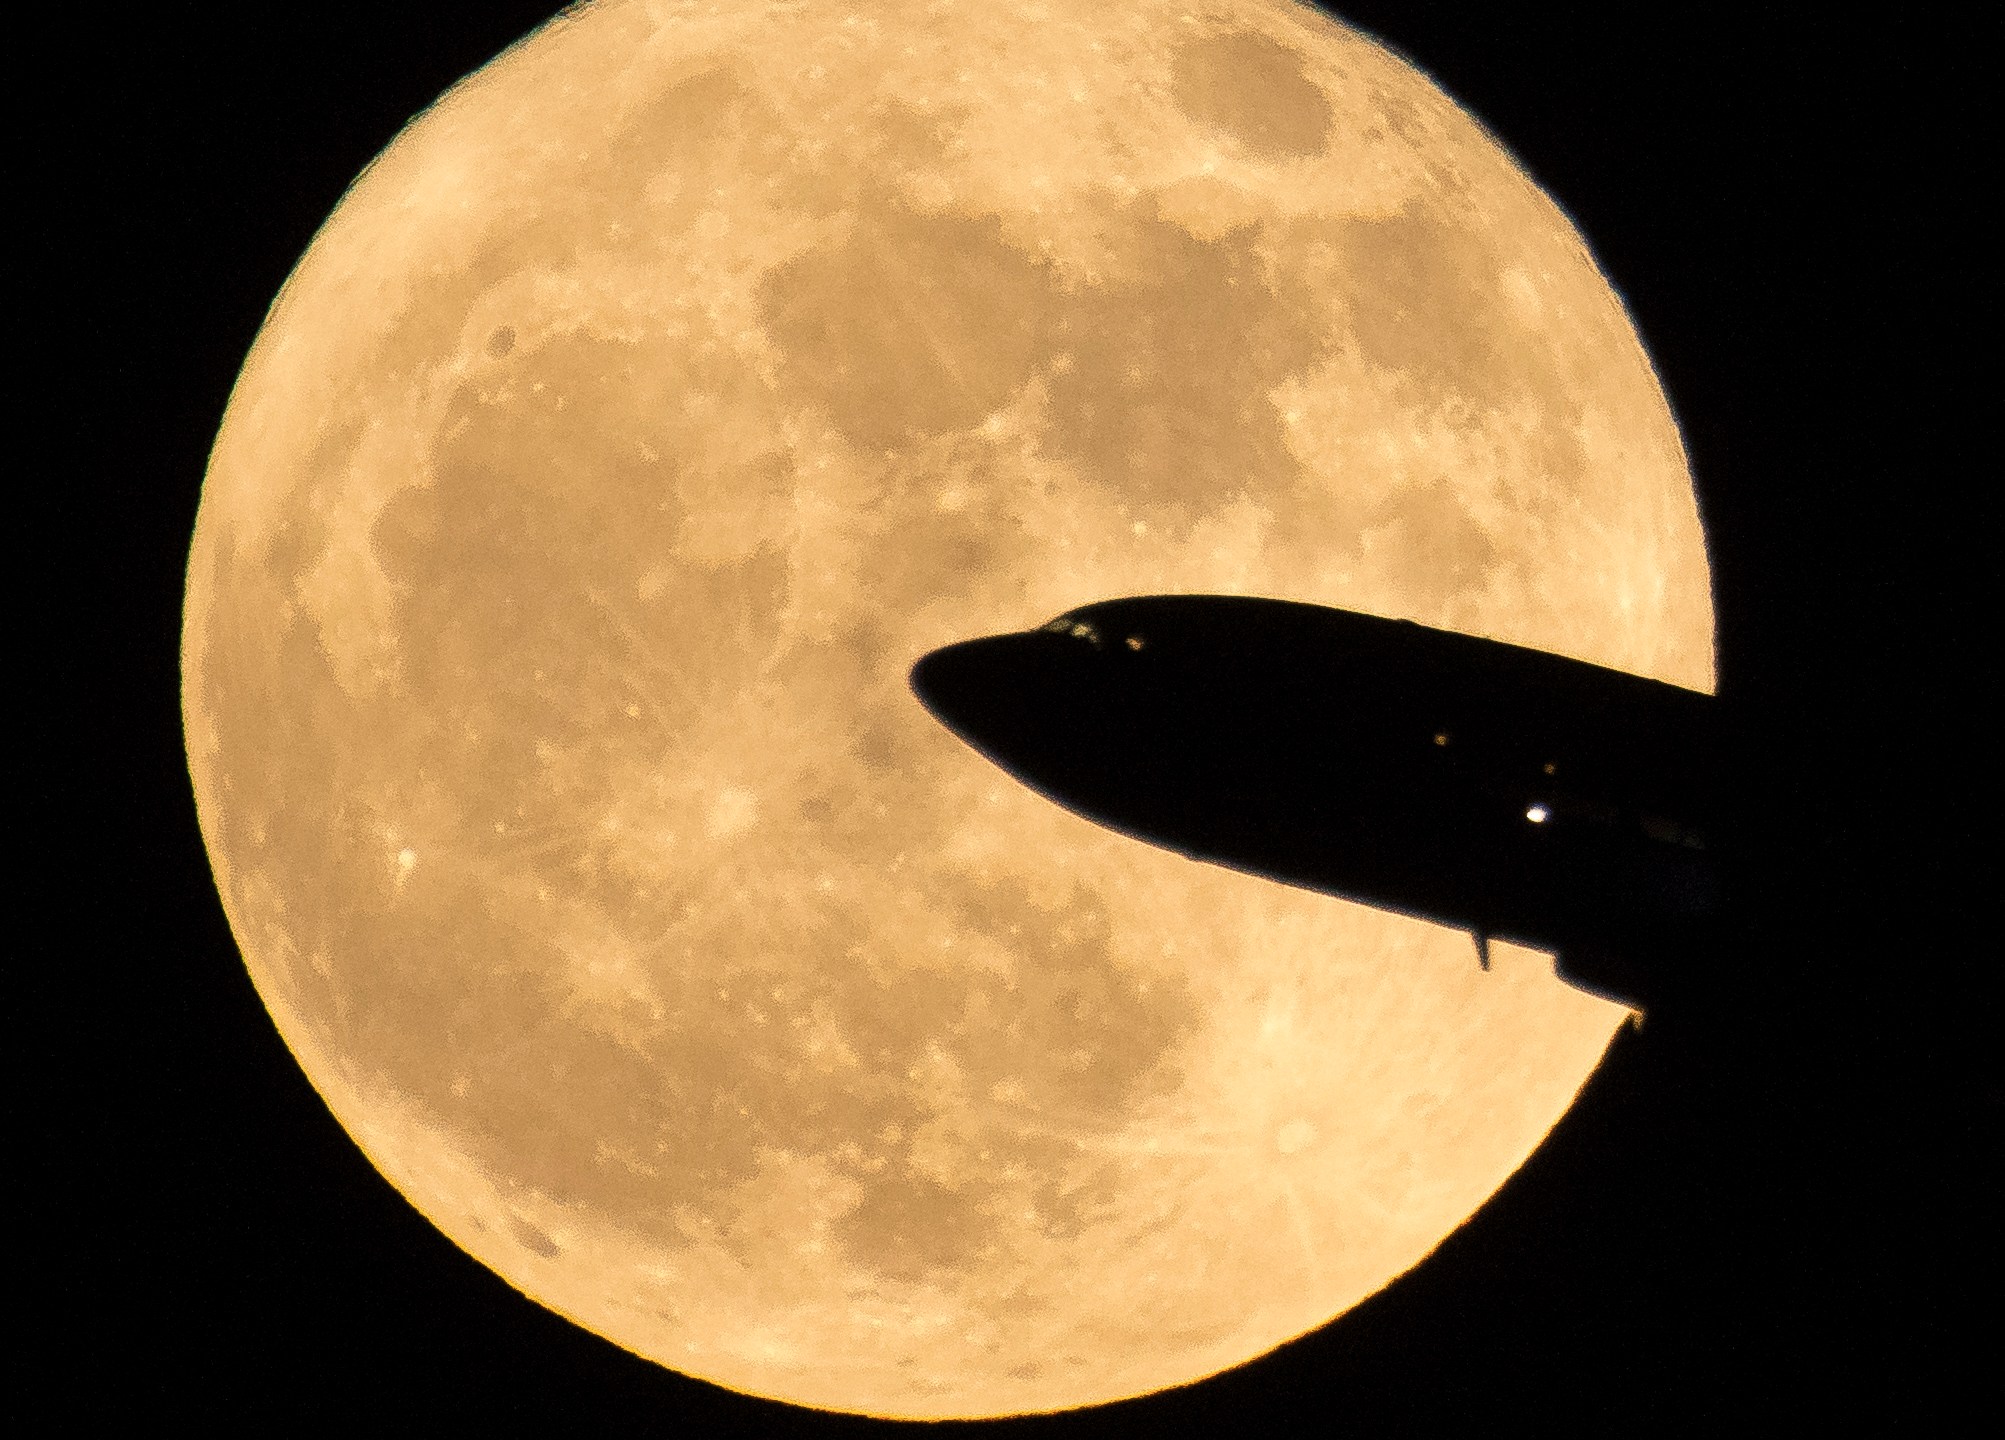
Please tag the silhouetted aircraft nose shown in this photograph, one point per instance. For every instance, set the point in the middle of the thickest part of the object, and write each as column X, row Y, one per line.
column 1009, row 696
column 957, row 683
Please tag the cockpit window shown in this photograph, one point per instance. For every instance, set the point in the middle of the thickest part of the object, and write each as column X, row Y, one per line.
column 1077, row 629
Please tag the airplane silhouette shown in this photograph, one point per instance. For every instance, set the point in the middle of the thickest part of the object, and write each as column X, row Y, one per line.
column 1514, row 793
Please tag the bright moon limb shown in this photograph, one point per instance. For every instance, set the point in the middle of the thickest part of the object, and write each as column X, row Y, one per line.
column 636, row 421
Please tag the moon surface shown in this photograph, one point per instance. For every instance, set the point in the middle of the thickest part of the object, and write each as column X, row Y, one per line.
column 639, row 417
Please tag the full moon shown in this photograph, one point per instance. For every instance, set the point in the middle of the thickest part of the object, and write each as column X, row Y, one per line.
column 635, row 422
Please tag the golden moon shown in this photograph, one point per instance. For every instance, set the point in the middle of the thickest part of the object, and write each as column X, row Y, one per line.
column 639, row 417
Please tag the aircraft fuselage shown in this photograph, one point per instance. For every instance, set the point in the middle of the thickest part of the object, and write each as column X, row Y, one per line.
column 1510, row 792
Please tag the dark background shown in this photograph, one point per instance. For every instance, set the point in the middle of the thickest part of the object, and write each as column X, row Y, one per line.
column 1762, row 1210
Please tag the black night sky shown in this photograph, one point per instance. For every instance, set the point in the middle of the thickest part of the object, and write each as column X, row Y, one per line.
column 1760, row 1211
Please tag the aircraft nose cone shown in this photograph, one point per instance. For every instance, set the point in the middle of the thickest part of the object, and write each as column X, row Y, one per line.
column 1001, row 694
column 952, row 682
column 1086, row 726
